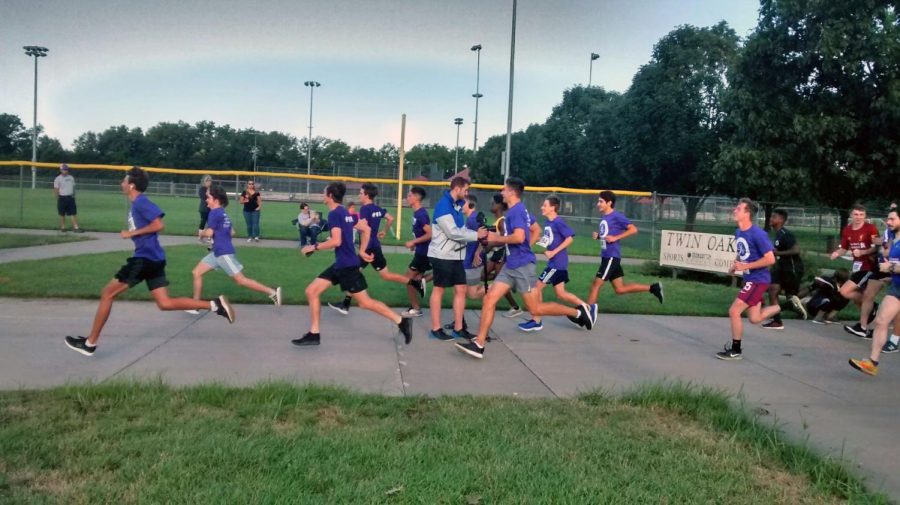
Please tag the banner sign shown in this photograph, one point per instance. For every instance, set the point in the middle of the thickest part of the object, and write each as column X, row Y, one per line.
column 708, row 252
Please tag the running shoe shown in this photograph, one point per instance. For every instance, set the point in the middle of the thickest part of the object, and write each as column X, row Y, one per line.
column 729, row 354
column 340, row 308
column 798, row 306
column 449, row 326
column 411, row 312
column 869, row 334
column 584, row 315
column 276, row 296
column 889, row 348
column 439, row 335
column 865, row 366
column 856, row 329
column 656, row 290
column 224, row 309
column 79, row 344
column 471, row 348
column 575, row 320
column 405, row 326
column 462, row 334
column 593, row 313
column 423, row 287
column 512, row 312
column 193, row 312
column 773, row 325
column 256, row 239
column 531, row 325
column 419, row 286
column 250, row 240
column 78, row 230
column 308, row 339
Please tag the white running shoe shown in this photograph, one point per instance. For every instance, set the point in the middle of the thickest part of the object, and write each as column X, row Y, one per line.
column 411, row 312
column 512, row 312
column 276, row 296
column 193, row 312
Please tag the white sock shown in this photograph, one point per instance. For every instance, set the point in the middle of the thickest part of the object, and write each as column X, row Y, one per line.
column 212, row 305
column 895, row 339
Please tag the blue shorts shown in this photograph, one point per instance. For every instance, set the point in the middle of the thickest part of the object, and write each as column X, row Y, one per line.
column 554, row 276
column 227, row 262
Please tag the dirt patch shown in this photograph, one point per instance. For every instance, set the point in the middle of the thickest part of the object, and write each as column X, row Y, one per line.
column 51, row 482
column 330, row 417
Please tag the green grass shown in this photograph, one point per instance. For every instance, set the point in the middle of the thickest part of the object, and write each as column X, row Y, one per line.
column 286, row 267
column 13, row 240
column 276, row 443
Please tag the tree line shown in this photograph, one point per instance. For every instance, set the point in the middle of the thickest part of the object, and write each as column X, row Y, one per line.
column 806, row 109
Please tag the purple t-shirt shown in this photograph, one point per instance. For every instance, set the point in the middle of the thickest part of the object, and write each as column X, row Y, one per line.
column 373, row 215
column 613, row 223
column 220, row 224
column 345, row 254
column 752, row 245
column 555, row 232
column 420, row 219
column 472, row 224
column 518, row 255
column 142, row 213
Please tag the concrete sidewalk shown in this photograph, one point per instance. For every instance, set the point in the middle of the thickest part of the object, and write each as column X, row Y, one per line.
column 799, row 376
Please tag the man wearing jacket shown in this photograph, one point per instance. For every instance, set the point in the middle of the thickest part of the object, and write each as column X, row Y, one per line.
column 446, row 252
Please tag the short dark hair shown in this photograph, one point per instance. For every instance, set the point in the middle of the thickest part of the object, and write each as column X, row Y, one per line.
column 351, row 204
column 473, row 200
column 419, row 191
column 781, row 212
column 370, row 190
column 304, row 205
column 336, row 191
column 459, row 182
column 750, row 205
column 858, row 206
column 218, row 192
column 517, row 185
column 554, row 202
column 498, row 200
column 137, row 176
column 609, row 196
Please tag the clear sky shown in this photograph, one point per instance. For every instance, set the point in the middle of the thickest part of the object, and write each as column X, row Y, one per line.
column 244, row 63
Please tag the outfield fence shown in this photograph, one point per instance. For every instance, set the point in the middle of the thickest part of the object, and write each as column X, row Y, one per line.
column 651, row 212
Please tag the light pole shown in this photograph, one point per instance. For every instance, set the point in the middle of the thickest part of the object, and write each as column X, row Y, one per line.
column 458, row 121
column 594, row 56
column 311, row 85
column 254, row 152
column 476, row 95
column 37, row 52
column 512, row 62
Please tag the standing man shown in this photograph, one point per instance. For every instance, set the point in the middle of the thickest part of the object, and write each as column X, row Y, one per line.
column 858, row 237
column 148, row 264
column 890, row 305
column 64, row 191
column 447, row 252
column 788, row 269
column 754, row 257
column 557, row 237
column 614, row 227
column 518, row 273
column 419, row 266
column 345, row 269
column 372, row 214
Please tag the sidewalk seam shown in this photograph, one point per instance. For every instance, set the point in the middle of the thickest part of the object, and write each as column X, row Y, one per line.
column 151, row 351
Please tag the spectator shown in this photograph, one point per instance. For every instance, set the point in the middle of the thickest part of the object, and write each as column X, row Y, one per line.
column 252, row 201
column 64, row 190
column 304, row 222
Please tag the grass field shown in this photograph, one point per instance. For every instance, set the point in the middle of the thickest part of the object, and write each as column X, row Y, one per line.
column 276, row 443
column 13, row 240
column 287, row 268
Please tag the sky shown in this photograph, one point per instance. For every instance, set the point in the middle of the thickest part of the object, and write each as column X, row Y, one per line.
column 244, row 63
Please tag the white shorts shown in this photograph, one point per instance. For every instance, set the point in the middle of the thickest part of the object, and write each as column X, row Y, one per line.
column 227, row 262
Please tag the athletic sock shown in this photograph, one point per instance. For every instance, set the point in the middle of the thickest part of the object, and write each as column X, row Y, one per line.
column 212, row 306
column 736, row 345
column 347, row 301
column 895, row 339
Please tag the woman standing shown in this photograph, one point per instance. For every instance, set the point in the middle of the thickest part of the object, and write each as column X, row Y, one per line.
column 205, row 183
column 252, row 201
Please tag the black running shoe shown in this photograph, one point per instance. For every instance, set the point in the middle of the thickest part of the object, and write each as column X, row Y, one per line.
column 656, row 290
column 223, row 308
column 471, row 348
column 340, row 308
column 773, row 325
column 79, row 344
column 869, row 334
column 463, row 334
column 405, row 326
column 439, row 334
column 728, row 354
column 449, row 326
column 856, row 329
column 419, row 286
column 308, row 339
column 584, row 316
column 576, row 320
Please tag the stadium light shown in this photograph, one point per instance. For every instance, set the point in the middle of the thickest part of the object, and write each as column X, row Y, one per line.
column 594, row 56
column 458, row 121
column 37, row 52
column 476, row 95
column 311, row 85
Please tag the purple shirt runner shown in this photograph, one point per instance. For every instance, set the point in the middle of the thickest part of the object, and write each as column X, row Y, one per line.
column 555, row 232
column 220, row 224
column 752, row 245
column 420, row 219
column 345, row 254
column 518, row 255
column 142, row 213
column 613, row 223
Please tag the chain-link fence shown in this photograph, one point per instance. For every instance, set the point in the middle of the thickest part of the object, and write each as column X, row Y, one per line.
column 816, row 228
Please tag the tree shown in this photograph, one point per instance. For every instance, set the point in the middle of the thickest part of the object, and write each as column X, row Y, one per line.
column 14, row 139
column 670, row 119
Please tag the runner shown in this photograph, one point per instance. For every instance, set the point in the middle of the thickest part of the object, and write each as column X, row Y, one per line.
column 754, row 257
column 788, row 269
column 858, row 238
column 145, row 221
column 419, row 266
column 497, row 255
column 345, row 270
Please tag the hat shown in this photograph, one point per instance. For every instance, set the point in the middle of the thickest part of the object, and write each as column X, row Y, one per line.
column 64, row 168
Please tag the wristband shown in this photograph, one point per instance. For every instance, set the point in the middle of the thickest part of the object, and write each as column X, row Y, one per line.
column 316, row 246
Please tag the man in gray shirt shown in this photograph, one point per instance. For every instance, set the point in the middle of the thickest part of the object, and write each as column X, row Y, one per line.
column 64, row 190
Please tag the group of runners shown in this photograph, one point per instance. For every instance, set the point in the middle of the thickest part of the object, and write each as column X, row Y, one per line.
column 455, row 248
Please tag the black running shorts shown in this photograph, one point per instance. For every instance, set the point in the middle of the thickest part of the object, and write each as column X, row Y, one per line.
column 137, row 270
column 351, row 279
column 378, row 263
column 448, row 273
column 610, row 269
column 420, row 264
